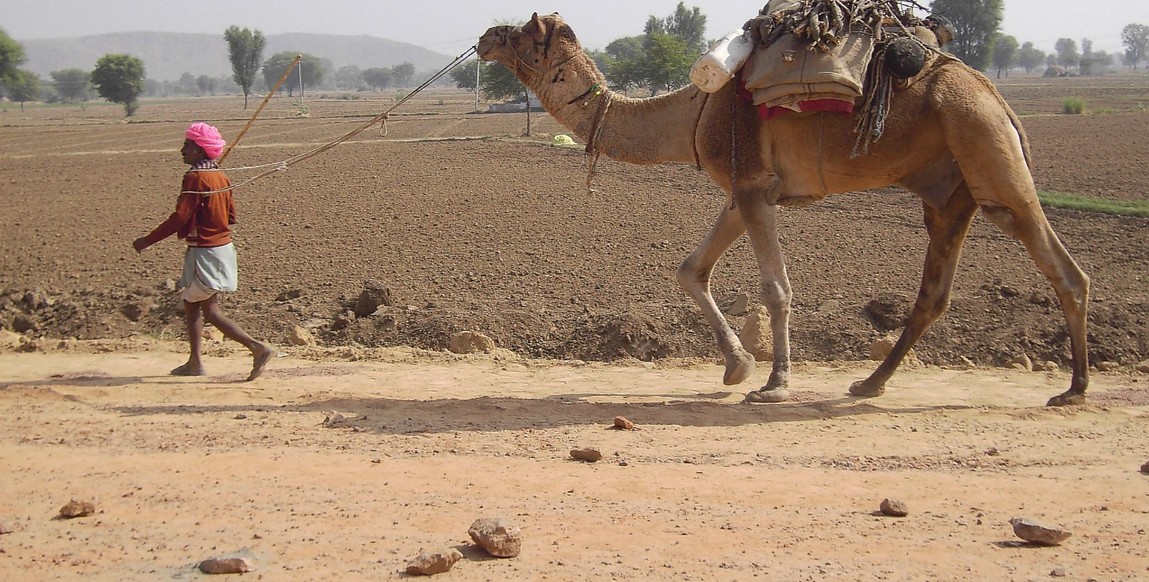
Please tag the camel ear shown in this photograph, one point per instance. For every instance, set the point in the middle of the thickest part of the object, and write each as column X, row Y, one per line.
column 535, row 27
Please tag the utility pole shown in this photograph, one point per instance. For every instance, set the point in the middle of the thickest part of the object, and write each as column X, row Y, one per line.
column 478, row 67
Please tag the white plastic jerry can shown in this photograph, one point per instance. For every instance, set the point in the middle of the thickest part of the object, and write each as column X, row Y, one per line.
column 717, row 66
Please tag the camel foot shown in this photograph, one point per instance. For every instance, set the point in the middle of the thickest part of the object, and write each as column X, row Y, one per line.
column 1070, row 398
column 766, row 395
column 260, row 360
column 867, row 388
column 188, row 370
column 739, row 365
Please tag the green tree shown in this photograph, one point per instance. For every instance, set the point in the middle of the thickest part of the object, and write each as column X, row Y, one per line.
column 1030, row 57
column 498, row 82
column 1135, row 39
column 975, row 24
column 245, row 51
column 377, row 77
column 624, row 69
column 11, row 57
column 464, row 75
column 72, row 84
column 1067, row 55
column 23, row 86
column 668, row 62
column 686, row 24
column 1004, row 54
column 402, row 73
column 311, row 69
column 119, row 78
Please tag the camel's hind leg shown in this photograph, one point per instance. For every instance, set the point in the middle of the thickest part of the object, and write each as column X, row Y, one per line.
column 694, row 277
column 1029, row 225
column 947, row 229
column 991, row 150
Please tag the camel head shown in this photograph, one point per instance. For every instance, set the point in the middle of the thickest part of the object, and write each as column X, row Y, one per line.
column 532, row 48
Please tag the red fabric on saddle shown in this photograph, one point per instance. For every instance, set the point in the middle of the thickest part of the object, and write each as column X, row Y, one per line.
column 767, row 113
column 830, row 105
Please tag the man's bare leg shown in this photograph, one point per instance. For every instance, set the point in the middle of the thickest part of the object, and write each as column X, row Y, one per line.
column 261, row 353
column 193, row 318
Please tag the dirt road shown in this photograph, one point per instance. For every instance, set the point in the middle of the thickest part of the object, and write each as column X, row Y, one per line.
column 183, row 469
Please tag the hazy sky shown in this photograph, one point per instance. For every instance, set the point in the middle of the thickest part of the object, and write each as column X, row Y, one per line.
column 449, row 27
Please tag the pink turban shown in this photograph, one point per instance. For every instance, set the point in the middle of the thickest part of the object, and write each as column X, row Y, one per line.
column 208, row 138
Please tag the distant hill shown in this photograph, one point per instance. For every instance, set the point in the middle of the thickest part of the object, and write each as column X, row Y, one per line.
column 167, row 55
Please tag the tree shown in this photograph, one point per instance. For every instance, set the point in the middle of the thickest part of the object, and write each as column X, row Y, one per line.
column 687, row 25
column 1092, row 63
column 245, row 51
column 402, row 73
column 464, row 75
column 377, row 77
column 72, row 84
column 1099, row 61
column 1135, row 38
column 975, row 24
column 498, row 82
column 668, row 62
column 624, row 68
column 1067, row 55
column 11, row 57
column 187, row 84
column 1004, row 54
column 348, row 77
column 310, row 68
column 206, row 84
column 119, row 78
column 1030, row 57
column 23, row 86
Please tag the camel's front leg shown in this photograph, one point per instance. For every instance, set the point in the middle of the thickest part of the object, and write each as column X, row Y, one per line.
column 947, row 229
column 694, row 276
column 761, row 223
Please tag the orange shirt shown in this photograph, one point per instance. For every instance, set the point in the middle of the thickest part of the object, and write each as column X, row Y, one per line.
column 203, row 220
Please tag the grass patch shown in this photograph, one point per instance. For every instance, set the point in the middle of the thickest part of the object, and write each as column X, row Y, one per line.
column 1073, row 105
column 1138, row 208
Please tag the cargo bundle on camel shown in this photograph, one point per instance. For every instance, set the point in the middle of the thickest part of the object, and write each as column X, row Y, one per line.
column 945, row 134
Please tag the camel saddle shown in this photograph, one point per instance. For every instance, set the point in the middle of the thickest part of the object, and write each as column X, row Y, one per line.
column 815, row 55
column 788, row 72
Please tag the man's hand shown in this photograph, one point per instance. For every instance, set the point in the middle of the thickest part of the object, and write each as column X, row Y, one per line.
column 140, row 244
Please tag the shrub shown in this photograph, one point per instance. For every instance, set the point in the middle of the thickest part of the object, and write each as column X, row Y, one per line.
column 1073, row 105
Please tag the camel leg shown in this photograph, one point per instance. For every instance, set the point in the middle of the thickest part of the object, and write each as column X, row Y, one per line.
column 761, row 222
column 947, row 229
column 996, row 169
column 694, row 277
column 1030, row 226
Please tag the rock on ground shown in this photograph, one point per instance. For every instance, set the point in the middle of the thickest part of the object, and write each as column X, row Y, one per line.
column 499, row 537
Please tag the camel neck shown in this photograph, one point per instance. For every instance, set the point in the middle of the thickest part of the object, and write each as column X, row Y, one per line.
column 641, row 131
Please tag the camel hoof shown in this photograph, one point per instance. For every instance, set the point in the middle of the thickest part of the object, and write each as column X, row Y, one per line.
column 765, row 395
column 739, row 365
column 1067, row 399
column 864, row 388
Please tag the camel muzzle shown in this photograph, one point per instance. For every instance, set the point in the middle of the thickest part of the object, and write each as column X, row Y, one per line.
column 496, row 37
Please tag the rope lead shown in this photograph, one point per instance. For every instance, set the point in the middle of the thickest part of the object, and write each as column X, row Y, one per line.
column 282, row 166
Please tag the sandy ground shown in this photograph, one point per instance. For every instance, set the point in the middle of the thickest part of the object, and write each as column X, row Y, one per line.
column 183, row 469
column 463, row 232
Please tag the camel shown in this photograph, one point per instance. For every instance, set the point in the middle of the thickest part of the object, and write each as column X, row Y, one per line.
column 949, row 137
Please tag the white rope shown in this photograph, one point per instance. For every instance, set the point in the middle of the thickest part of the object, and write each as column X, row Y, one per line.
column 283, row 165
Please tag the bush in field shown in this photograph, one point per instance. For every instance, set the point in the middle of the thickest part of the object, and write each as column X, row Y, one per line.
column 1073, row 105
